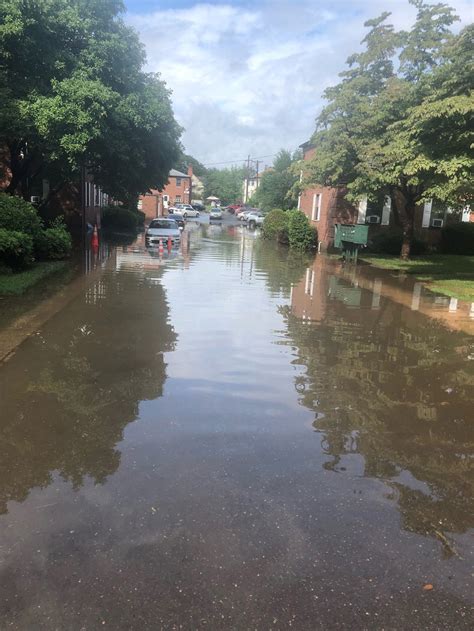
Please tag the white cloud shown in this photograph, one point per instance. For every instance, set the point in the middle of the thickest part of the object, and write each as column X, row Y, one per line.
column 249, row 80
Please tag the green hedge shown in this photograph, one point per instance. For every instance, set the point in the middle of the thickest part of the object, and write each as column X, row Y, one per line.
column 119, row 218
column 18, row 215
column 54, row 243
column 301, row 235
column 391, row 243
column 458, row 238
column 275, row 226
column 16, row 249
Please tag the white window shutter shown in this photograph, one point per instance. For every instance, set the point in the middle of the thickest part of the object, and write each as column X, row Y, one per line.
column 427, row 214
column 362, row 210
column 387, row 207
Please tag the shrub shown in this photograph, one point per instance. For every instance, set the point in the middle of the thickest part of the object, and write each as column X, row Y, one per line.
column 141, row 217
column 119, row 218
column 275, row 226
column 301, row 235
column 16, row 249
column 18, row 215
column 391, row 243
column 458, row 238
column 54, row 243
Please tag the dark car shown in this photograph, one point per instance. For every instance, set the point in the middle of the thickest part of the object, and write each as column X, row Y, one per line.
column 200, row 207
column 177, row 219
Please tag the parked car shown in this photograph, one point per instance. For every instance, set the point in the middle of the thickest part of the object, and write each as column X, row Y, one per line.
column 234, row 208
column 185, row 210
column 178, row 220
column 255, row 219
column 245, row 213
column 199, row 207
column 216, row 213
column 162, row 229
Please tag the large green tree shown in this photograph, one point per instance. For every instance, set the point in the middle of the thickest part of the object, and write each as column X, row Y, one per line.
column 401, row 129
column 186, row 160
column 226, row 184
column 75, row 94
column 276, row 189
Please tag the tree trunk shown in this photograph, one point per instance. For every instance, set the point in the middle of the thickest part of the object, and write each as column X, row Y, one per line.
column 407, row 241
column 405, row 208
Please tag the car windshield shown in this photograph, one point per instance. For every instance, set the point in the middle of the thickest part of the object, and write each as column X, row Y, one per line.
column 163, row 223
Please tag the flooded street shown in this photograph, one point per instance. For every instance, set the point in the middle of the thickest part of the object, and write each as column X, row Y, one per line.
column 231, row 437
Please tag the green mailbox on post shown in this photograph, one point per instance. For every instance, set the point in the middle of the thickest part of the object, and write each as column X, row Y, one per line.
column 350, row 237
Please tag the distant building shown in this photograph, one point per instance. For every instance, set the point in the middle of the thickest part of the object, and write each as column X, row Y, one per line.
column 178, row 190
column 249, row 187
column 251, row 184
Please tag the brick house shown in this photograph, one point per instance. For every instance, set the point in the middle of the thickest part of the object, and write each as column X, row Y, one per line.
column 67, row 201
column 178, row 190
column 325, row 206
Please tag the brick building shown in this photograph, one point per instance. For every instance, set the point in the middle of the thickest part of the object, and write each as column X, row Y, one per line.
column 178, row 190
column 325, row 206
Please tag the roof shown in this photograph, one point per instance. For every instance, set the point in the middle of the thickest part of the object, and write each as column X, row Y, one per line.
column 307, row 145
column 175, row 173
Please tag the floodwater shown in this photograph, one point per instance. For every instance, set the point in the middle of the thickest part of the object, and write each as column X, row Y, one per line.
column 228, row 437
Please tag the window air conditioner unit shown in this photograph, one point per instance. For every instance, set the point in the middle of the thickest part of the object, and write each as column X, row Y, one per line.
column 437, row 223
column 373, row 219
column 35, row 199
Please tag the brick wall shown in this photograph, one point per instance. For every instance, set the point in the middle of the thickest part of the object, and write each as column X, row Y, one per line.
column 177, row 190
column 333, row 208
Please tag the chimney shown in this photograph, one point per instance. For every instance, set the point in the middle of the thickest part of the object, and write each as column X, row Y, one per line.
column 190, row 170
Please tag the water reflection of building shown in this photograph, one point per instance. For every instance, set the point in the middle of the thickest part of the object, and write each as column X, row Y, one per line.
column 392, row 386
column 365, row 287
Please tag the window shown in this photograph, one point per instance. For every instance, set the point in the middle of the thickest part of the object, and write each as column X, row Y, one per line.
column 164, row 224
column 140, row 204
column 178, row 181
column 177, row 199
column 316, row 210
column 362, row 211
column 309, row 282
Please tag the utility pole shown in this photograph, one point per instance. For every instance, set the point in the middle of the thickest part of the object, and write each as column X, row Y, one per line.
column 257, row 184
column 247, row 181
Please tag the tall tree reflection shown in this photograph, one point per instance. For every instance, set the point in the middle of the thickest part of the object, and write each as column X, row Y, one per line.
column 69, row 392
column 393, row 386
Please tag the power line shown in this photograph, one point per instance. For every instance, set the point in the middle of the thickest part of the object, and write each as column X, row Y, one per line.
column 209, row 164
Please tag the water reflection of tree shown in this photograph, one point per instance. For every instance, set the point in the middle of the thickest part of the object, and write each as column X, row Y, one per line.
column 282, row 268
column 68, row 394
column 393, row 387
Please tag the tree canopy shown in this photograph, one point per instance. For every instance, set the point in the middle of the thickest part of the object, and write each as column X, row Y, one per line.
column 276, row 189
column 74, row 94
column 185, row 160
column 400, row 120
column 226, row 184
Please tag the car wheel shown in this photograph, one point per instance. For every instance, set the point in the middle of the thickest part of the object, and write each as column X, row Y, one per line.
column 252, row 225
column 197, row 214
column 185, row 215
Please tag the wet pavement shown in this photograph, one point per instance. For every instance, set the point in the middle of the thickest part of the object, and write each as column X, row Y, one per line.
column 225, row 436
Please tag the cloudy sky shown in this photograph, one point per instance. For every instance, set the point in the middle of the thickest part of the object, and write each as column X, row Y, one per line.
column 247, row 77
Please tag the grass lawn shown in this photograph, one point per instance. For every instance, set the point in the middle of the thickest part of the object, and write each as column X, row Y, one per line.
column 17, row 284
column 448, row 274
